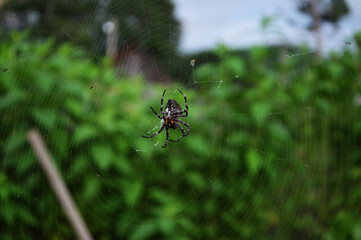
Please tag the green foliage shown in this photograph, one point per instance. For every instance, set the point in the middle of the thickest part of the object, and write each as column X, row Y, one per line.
column 272, row 152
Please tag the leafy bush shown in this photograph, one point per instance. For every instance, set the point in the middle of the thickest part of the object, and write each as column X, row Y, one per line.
column 272, row 152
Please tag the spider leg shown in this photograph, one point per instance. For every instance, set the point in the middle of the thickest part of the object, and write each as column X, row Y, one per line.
column 166, row 138
column 186, row 124
column 180, row 113
column 161, row 129
column 156, row 113
column 183, row 133
column 161, row 103
column 185, row 100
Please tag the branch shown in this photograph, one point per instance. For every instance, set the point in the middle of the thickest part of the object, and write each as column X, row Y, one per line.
column 58, row 185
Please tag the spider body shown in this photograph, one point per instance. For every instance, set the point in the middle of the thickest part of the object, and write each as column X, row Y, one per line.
column 172, row 106
column 170, row 118
column 170, row 122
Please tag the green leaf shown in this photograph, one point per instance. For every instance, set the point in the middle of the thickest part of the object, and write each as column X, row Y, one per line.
column 341, row 228
column 167, row 225
column 145, row 230
column 196, row 180
column 15, row 141
column 258, row 53
column 79, row 165
column 254, row 161
column 335, row 69
column 267, row 21
column 260, row 111
column 198, row 145
column 28, row 161
column 26, row 215
column 74, row 107
column 162, row 196
column 205, row 73
column 13, row 98
column 132, row 192
column 91, row 189
column 103, row 156
column 235, row 65
column 84, row 133
column 278, row 130
column 45, row 118
column 60, row 140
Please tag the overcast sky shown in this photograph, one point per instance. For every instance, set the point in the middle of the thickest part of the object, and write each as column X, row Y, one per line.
column 237, row 23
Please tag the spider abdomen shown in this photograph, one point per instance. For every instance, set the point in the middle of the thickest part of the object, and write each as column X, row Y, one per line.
column 172, row 106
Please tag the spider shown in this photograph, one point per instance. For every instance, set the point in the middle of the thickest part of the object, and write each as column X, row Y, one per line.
column 173, row 111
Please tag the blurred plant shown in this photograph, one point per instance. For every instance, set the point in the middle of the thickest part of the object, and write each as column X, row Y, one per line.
column 272, row 151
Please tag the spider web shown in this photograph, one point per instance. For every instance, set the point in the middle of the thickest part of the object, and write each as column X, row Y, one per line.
column 243, row 172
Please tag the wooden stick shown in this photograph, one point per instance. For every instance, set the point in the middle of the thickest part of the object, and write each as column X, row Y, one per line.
column 58, row 185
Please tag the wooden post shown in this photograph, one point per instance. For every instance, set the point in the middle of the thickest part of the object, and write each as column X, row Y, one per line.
column 316, row 17
column 58, row 186
column 110, row 28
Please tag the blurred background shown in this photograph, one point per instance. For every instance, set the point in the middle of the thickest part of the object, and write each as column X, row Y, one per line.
column 274, row 150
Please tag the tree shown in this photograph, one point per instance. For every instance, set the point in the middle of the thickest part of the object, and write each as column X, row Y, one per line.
column 329, row 11
column 323, row 11
column 148, row 25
